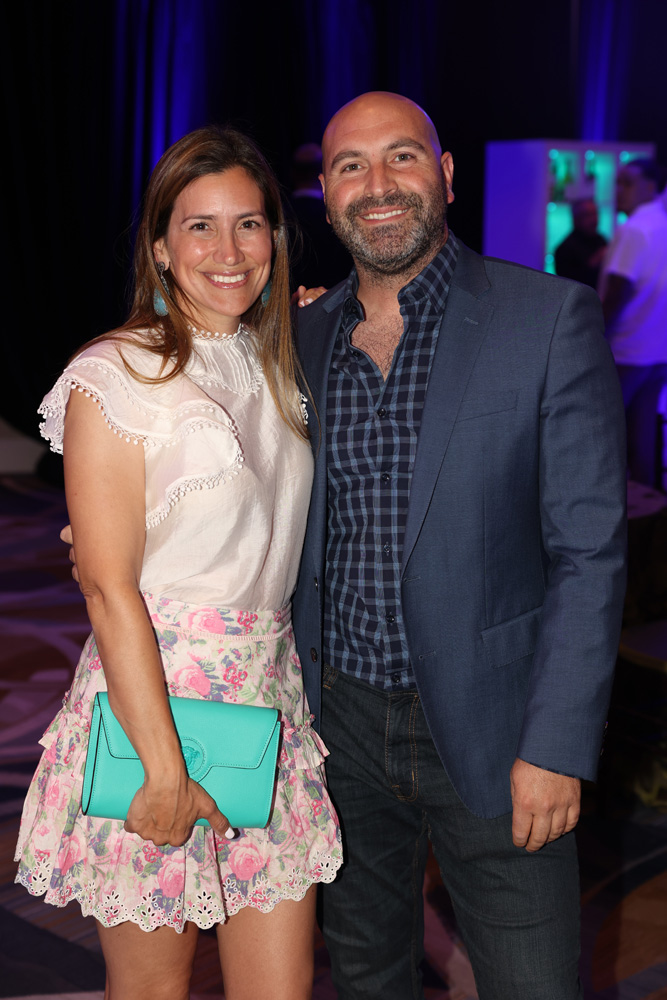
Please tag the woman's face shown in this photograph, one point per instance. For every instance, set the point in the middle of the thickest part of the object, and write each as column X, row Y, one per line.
column 218, row 247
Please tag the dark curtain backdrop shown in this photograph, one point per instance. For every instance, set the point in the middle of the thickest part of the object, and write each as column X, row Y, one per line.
column 94, row 92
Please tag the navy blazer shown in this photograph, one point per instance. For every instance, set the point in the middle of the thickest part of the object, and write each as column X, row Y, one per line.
column 513, row 569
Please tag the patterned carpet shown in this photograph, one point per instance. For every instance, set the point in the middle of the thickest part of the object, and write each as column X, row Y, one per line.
column 48, row 952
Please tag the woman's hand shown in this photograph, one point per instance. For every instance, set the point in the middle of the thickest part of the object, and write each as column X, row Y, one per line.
column 304, row 297
column 167, row 814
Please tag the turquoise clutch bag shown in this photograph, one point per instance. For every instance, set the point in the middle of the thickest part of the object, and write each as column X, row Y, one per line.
column 231, row 750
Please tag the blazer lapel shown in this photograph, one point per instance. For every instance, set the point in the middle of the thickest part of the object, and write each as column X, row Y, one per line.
column 463, row 329
column 316, row 335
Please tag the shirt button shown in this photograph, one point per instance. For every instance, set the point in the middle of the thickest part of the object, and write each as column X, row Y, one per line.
column 385, row 477
column 382, row 412
column 386, row 548
column 395, row 678
column 317, row 586
column 313, row 655
column 390, row 618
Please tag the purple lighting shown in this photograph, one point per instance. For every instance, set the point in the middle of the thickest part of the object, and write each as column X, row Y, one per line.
column 159, row 79
column 604, row 45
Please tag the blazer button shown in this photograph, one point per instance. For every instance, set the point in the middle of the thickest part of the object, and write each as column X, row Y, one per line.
column 317, row 586
column 313, row 655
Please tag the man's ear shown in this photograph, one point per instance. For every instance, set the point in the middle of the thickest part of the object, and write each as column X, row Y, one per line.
column 324, row 193
column 447, row 167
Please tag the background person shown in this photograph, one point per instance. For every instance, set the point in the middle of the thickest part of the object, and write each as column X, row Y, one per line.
column 637, row 183
column 321, row 259
column 188, row 475
column 633, row 289
column 580, row 254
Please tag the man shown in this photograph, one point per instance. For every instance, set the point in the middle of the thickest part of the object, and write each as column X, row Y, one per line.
column 460, row 591
column 637, row 183
column 633, row 289
column 580, row 254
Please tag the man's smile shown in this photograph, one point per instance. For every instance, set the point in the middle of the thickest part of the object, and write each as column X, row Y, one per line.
column 381, row 216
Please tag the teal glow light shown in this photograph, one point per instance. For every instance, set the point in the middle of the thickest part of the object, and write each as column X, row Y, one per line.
column 553, row 154
column 551, row 206
column 589, row 154
column 621, row 217
column 624, row 156
column 549, row 258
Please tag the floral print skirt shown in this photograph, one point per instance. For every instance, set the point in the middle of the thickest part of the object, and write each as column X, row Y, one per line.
column 218, row 653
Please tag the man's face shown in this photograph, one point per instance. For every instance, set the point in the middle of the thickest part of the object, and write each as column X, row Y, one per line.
column 633, row 189
column 586, row 217
column 386, row 184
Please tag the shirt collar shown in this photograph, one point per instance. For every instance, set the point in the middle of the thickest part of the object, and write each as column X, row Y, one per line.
column 432, row 283
column 351, row 305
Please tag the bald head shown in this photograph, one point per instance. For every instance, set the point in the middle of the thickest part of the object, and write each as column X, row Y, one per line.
column 377, row 110
column 386, row 184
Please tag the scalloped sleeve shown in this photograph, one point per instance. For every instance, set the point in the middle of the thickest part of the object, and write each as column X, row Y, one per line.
column 189, row 440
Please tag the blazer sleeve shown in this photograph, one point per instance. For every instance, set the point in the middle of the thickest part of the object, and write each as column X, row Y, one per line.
column 582, row 491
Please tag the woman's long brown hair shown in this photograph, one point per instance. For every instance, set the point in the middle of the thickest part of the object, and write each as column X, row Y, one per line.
column 212, row 150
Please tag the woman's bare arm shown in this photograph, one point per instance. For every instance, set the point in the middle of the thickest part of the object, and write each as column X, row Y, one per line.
column 105, row 489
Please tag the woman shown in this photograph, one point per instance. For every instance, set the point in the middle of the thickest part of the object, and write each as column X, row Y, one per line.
column 188, row 473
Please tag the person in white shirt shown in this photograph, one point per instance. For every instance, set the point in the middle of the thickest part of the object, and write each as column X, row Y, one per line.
column 633, row 289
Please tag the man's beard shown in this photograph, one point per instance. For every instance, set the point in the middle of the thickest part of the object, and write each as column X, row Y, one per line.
column 393, row 248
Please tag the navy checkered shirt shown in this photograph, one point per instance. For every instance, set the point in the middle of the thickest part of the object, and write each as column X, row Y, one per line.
column 372, row 433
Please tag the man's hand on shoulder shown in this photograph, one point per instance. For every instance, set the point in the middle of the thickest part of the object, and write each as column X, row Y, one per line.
column 66, row 537
column 545, row 805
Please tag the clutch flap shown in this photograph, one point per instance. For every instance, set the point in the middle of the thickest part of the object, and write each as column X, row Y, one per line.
column 212, row 733
column 226, row 734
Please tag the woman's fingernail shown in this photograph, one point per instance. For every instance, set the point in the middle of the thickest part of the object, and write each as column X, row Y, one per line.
column 231, row 833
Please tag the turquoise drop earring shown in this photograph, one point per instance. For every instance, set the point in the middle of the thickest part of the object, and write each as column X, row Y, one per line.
column 159, row 303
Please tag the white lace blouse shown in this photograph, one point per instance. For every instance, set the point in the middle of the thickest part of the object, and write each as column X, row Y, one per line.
column 227, row 482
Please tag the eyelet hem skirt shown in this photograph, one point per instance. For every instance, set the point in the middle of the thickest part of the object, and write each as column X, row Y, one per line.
column 224, row 654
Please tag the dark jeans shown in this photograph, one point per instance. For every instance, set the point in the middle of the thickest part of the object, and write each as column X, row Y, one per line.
column 518, row 913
